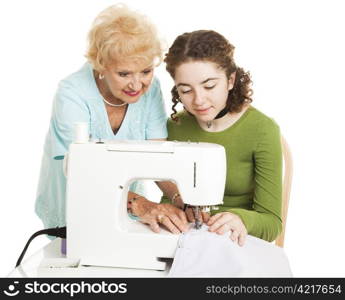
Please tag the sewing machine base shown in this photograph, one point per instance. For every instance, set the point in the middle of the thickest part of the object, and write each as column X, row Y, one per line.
column 50, row 262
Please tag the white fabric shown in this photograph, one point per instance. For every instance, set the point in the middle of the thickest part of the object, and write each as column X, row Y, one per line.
column 201, row 253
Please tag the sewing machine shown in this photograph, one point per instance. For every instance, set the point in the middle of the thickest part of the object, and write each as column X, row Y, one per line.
column 99, row 173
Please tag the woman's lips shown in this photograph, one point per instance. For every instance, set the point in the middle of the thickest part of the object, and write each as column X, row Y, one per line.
column 132, row 94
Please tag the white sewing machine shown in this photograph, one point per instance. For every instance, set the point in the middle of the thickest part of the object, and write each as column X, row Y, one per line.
column 99, row 230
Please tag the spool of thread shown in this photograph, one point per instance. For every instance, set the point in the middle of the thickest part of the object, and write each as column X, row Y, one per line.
column 81, row 132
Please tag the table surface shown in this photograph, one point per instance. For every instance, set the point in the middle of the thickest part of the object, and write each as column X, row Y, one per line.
column 50, row 262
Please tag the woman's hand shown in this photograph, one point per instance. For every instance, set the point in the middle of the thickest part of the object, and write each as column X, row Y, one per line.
column 203, row 216
column 153, row 214
column 226, row 221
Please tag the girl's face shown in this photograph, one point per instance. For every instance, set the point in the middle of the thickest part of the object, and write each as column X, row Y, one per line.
column 128, row 80
column 203, row 88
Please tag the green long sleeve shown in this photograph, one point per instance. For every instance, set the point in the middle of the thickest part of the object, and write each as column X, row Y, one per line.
column 253, row 187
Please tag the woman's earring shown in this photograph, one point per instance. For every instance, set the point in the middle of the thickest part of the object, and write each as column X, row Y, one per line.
column 100, row 76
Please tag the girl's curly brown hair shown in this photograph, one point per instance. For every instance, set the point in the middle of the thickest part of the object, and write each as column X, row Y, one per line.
column 208, row 45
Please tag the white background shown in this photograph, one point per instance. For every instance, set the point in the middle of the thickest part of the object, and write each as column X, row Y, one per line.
column 294, row 50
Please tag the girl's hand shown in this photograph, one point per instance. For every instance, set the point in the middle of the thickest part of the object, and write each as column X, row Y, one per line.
column 226, row 221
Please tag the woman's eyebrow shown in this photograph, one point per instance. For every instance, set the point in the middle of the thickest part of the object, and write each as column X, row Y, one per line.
column 147, row 68
column 130, row 71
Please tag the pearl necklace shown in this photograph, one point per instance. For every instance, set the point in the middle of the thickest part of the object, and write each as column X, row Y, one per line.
column 114, row 105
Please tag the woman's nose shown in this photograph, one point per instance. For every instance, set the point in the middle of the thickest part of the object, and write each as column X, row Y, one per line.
column 135, row 83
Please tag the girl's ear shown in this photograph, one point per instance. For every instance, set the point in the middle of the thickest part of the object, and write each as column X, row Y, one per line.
column 231, row 80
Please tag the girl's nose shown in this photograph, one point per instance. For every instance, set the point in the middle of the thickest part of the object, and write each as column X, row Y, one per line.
column 198, row 98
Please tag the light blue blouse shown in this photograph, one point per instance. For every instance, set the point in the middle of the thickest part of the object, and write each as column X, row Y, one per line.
column 78, row 100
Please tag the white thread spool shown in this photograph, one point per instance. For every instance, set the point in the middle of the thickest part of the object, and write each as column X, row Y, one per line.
column 81, row 132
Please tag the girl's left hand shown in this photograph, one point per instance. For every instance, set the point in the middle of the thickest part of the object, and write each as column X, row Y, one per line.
column 227, row 221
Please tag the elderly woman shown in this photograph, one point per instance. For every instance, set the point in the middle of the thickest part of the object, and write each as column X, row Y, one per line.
column 116, row 93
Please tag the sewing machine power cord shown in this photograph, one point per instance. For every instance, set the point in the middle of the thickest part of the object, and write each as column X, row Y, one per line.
column 56, row 232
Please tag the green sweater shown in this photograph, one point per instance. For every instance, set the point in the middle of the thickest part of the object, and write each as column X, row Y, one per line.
column 253, row 188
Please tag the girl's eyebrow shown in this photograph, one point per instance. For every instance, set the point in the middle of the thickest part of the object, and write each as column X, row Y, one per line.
column 203, row 82
column 208, row 79
column 182, row 84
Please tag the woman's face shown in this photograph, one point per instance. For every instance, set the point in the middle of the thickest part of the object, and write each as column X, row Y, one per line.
column 203, row 88
column 128, row 80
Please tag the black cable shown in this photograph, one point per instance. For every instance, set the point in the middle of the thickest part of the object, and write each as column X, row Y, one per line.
column 57, row 232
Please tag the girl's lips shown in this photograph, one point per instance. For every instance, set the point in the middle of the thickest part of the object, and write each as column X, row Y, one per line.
column 132, row 94
column 202, row 111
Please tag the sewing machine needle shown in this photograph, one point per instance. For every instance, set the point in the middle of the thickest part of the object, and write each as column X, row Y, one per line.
column 198, row 222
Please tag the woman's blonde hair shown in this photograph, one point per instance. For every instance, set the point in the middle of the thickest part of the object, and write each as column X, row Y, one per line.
column 119, row 33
